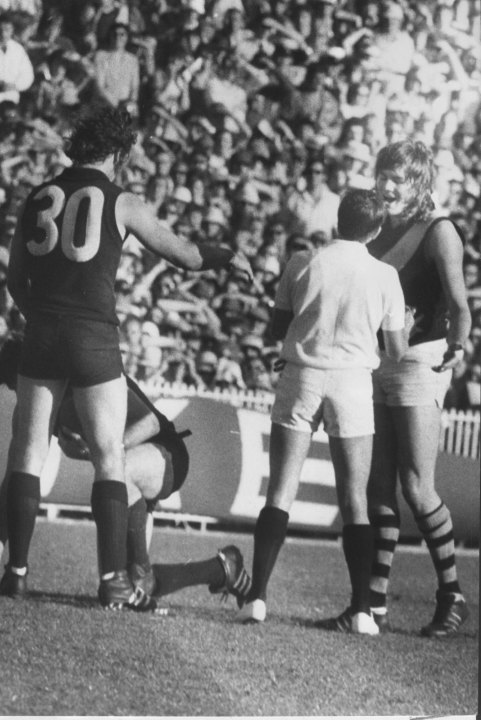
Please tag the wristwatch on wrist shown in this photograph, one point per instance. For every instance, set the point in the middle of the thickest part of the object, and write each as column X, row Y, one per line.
column 454, row 347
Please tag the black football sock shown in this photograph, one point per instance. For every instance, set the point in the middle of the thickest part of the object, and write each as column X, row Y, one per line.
column 110, row 512
column 386, row 529
column 357, row 543
column 269, row 535
column 3, row 514
column 136, row 534
column 437, row 530
column 170, row 578
column 23, row 499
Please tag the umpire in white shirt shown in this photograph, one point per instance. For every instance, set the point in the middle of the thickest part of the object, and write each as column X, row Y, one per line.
column 329, row 307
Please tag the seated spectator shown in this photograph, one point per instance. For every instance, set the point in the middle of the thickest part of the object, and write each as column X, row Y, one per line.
column 206, row 369
column 242, row 96
column 130, row 339
column 229, row 373
column 16, row 71
column 149, row 360
column 395, row 46
column 315, row 208
column 58, row 93
column 215, row 225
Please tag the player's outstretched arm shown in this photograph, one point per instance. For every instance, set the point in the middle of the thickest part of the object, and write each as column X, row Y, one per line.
column 133, row 216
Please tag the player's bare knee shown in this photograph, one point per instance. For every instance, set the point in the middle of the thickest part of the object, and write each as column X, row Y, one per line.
column 417, row 490
column 107, row 454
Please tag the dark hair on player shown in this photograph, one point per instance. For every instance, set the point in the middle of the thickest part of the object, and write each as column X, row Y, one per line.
column 359, row 214
column 99, row 134
column 417, row 161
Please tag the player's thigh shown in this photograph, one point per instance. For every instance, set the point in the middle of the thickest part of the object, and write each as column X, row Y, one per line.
column 351, row 458
column 288, row 450
column 417, row 434
column 102, row 411
column 149, row 468
column 37, row 405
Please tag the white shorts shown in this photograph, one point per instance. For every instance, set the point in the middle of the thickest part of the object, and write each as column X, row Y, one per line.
column 341, row 399
column 412, row 382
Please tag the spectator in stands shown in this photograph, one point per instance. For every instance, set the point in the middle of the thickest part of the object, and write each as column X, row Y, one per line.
column 298, row 76
column 316, row 207
column 395, row 46
column 16, row 71
column 117, row 71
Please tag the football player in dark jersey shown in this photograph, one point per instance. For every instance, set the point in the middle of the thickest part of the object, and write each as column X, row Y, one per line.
column 156, row 465
column 64, row 258
column 427, row 250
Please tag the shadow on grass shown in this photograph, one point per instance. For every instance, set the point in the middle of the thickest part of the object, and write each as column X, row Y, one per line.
column 220, row 614
column 322, row 625
column 83, row 601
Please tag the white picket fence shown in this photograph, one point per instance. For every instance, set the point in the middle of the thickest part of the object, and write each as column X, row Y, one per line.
column 460, row 429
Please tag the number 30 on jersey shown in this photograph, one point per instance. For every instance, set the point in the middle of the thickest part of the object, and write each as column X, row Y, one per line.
column 45, row 221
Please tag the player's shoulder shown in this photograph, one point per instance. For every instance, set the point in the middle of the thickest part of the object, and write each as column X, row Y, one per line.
column 439, row 223
column 129, row 205
column 443, row 236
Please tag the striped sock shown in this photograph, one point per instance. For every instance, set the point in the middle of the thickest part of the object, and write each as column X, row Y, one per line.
column 386, row 535
column 437, row 530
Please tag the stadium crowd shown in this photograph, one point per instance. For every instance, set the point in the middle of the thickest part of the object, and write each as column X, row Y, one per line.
column 253, row 117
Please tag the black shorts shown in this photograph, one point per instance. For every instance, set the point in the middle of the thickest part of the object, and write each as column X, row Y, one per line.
column 61, row 347
column 180, row 465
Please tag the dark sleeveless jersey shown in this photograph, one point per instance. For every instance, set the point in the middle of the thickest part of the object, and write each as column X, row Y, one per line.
column 405, row 249
column 72, row 245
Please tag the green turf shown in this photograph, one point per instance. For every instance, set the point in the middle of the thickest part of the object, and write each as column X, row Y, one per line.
column 61, row 655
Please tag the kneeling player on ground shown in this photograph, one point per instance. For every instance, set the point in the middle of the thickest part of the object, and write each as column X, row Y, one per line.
column 157, row 463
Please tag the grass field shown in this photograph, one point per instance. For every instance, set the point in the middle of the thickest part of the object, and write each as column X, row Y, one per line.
column 60, row 654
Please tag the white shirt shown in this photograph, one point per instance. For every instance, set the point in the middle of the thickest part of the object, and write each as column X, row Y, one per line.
column 117, row 74
column 15, row 69
column 340, row 297
column 316, row 214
